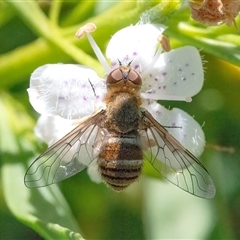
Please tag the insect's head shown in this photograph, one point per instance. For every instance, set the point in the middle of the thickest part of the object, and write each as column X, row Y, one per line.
column 125, row 74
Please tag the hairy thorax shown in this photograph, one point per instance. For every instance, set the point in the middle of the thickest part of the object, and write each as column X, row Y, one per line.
column 122, row 114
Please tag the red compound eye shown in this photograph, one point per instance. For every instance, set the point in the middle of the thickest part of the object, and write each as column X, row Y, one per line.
column 134, row 77
column 115, row 76
column 126, row 74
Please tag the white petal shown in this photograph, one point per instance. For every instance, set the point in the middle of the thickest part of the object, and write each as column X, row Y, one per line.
column 67, row 90
column 176, row 73
column 93, row 172
column 179, row 124
column 52, row 128
column 137, row 43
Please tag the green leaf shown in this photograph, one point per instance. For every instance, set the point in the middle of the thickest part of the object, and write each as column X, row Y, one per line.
column 33, row 15
column 173, row 214
column 45, row 210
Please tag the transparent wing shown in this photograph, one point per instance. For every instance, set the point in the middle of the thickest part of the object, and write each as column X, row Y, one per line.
column 69, row 155
column 173, row 161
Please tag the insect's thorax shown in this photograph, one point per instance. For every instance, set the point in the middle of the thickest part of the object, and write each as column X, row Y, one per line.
column 123, row 102
column 120, row 158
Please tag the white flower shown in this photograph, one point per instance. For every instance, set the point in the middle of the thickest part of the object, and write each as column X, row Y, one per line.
column 69, row 91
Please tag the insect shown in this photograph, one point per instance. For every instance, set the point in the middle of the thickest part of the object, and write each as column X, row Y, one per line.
column 120, row 136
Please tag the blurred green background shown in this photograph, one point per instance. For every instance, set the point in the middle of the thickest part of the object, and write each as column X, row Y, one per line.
column 37, row 32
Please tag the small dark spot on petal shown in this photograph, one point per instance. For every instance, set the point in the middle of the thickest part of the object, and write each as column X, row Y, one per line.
column 136, row 66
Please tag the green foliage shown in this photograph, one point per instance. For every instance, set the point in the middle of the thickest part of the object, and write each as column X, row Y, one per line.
column 33, row 33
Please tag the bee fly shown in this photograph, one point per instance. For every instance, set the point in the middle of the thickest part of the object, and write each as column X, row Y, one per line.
column 120, row 136
column 121, row 157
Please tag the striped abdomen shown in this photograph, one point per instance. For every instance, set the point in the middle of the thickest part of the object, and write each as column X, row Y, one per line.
column 120, row 160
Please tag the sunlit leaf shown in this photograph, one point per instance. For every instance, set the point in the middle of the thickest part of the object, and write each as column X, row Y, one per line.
column 45, row 210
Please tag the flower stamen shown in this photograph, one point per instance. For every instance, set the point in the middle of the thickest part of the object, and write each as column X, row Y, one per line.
column 166, row 97
column 165, row 43
column 152, row 63
column 87, row 29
